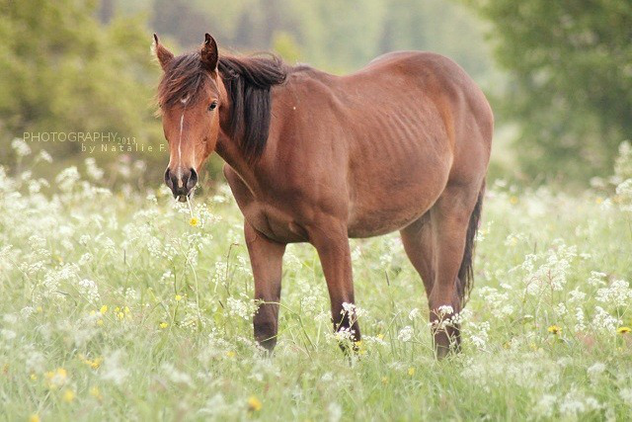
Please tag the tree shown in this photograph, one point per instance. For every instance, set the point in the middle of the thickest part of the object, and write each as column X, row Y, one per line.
column 571, row 80
column 62, row 70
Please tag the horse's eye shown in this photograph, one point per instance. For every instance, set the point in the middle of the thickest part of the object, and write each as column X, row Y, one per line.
column 212, row 106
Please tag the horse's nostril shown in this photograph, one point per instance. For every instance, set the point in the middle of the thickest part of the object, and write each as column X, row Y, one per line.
column 168, row 180
column 193, row 177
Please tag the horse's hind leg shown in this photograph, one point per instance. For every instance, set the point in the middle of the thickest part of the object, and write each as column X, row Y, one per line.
column 419, row 244
column 450, row 220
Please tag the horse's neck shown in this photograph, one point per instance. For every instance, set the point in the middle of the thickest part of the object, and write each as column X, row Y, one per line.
column 228, row 149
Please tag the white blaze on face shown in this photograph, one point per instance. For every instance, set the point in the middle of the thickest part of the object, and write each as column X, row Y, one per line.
column 179, row 166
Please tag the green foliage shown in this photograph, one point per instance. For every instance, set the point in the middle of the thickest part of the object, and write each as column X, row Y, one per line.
column 571, row 80
column 63, row 71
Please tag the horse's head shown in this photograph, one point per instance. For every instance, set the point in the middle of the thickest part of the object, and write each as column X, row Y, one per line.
column 190, row 96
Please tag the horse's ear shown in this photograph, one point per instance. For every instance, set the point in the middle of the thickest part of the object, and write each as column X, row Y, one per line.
column 164, row 56
column 209, row 54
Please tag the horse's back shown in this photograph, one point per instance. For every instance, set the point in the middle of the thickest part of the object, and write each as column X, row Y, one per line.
column 463, row 107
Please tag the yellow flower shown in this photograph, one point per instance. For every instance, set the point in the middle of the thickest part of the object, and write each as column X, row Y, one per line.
column 94, row 364
column 513, row 200
column 599, row 200
column 40, row 309
column 94, row 392
column 230, row 354
column 193, row 222
column 163, row 325
column 178, row 298
column 100, row 322
column 56, row 378
column 380, row 336
column 554, row 329
column 34, row 418
column 411, row 371
column 120, row 315
column 68, row 396
column 103, row 309
column 384, row 380
column 623, row 330
column 254, row 404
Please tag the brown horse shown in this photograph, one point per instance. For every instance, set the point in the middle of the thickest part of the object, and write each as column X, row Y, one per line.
column 402, row 144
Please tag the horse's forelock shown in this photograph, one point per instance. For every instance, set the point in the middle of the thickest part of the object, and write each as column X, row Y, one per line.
column 183, row 78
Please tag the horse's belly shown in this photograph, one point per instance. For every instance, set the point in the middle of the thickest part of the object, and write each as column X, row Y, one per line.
column 377, row 221
column 392, row 201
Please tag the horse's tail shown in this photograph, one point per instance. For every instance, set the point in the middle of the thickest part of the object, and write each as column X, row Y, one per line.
column 466, row 274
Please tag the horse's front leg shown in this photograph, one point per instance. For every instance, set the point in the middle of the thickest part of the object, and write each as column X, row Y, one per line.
column 331, row 241
column 266, row 258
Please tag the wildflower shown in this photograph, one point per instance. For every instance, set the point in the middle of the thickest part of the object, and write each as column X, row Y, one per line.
column 513, row 200
column 113, row 369
column 68, row 396
column 92, row 363
column 56, row 378
column 413, row 314
column 100, row 322
column 384, row 380
column 335, row 412
column 163, row 325
column 20, row 147
column 411, row 371
column 623, row 330
column 193, row 222
column 103, row 309
column 34, row 418
column 178, row 298
column 230, row 354
column 94, row 392
column 254, row 404
column 554, row 329
column 405, row 334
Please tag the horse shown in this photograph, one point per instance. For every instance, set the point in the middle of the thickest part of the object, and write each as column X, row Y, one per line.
column 402, row 144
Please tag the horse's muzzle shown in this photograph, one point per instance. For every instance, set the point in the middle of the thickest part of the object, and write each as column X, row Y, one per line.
column 181, row 182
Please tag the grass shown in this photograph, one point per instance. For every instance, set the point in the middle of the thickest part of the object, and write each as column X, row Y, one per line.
column 122, row 306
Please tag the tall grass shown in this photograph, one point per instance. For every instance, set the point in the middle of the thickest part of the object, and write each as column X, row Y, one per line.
column 121, row 306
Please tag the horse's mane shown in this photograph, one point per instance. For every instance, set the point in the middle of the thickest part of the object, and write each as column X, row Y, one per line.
column 247, row 80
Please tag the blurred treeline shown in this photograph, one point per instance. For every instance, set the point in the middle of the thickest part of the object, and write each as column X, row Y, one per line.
column 558, row 73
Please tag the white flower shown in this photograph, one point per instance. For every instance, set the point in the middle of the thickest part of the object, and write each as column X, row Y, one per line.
column 113, row 370
column 335, row 412
column 175, row 376
column 445, row 310
column 595, row 371
column 45, row 156
column 617, row 294
column 546, row 405
column 67, row 179
column 603, row 321
column 405, row 334
column 20, row 147
column 413, row 314
column 626, row 395
column 93, row 170
column 89, row 289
